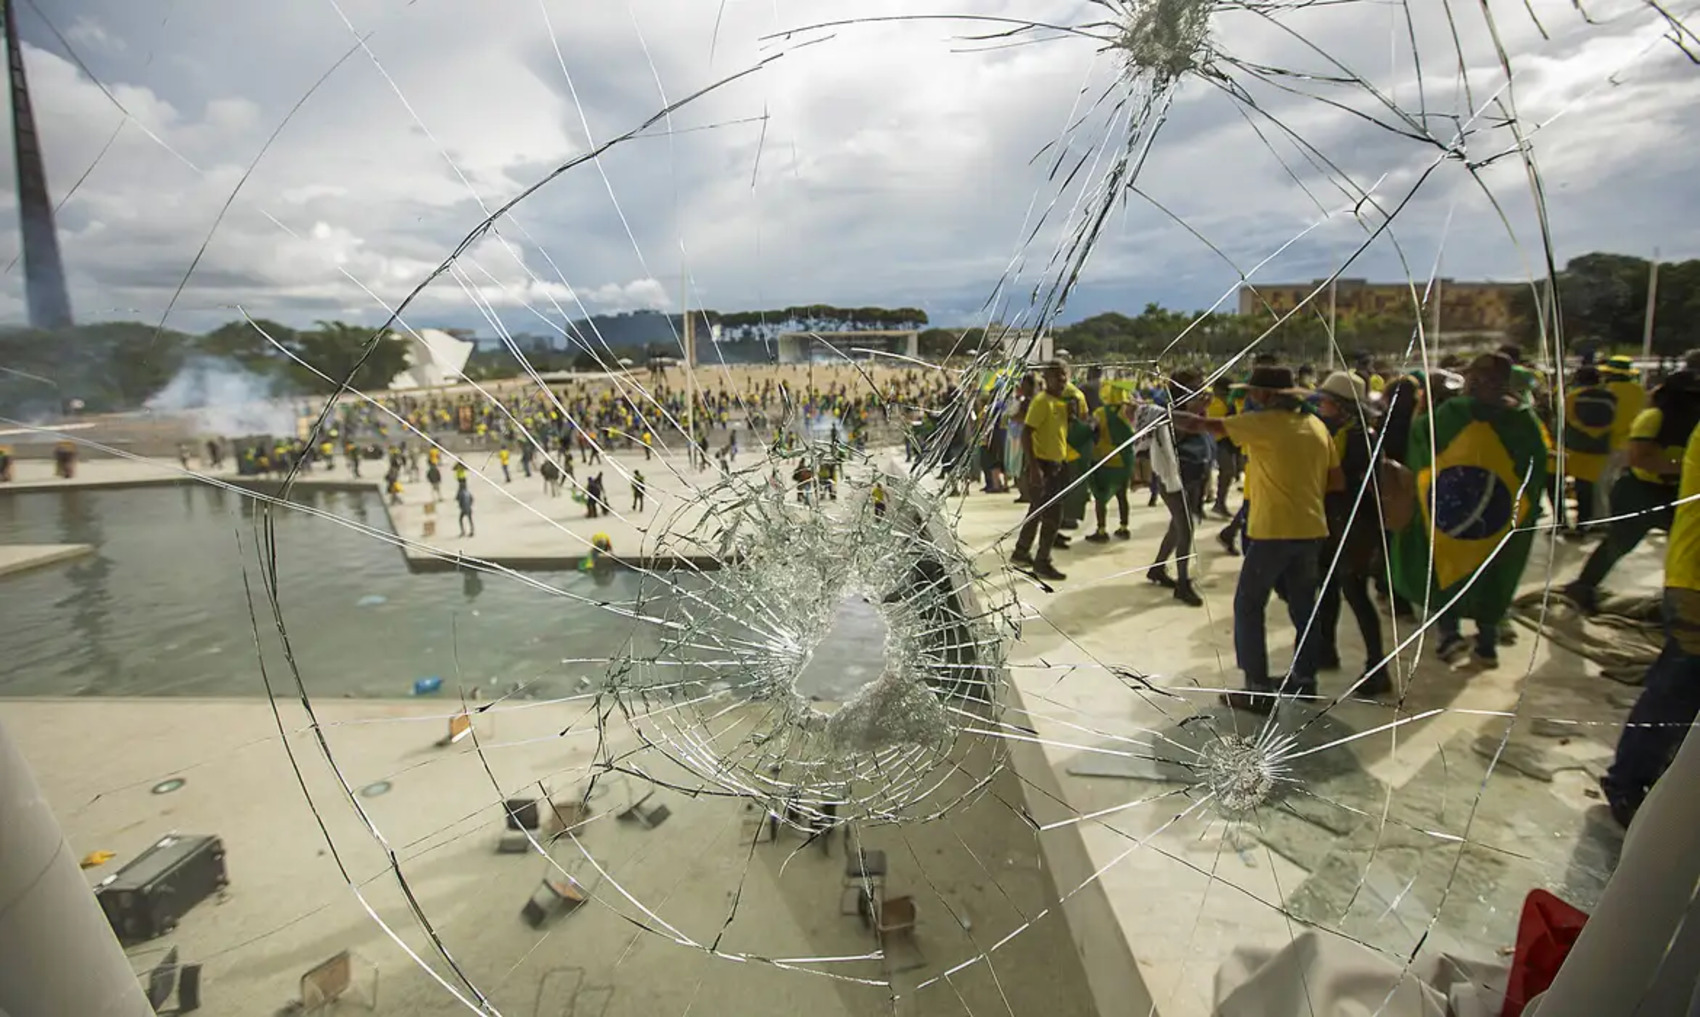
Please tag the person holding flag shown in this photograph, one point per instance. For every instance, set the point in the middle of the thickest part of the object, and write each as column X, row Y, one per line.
column 1641, row 498
column 1112, row 449
column 1478, row 490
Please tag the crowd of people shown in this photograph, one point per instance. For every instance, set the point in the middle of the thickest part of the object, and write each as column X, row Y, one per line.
column 1425, row 489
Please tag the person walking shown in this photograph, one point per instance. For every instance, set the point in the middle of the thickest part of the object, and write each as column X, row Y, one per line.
column 1291, row 464
column 1670, row 695
column 1353, row 550
column 434, row 477
column 463, row 499
column 1641, row 498
column 638, row 490
column 1172, row 487
column 1479, row 466
column 1044, row 442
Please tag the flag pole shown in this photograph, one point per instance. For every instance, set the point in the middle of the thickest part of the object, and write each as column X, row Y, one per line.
column 1652, row 296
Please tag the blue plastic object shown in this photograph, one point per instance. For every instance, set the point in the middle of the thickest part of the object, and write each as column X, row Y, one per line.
column 426, row 686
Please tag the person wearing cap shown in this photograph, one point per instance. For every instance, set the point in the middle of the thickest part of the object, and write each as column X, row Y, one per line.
column 1670, row 693
column 1641, row 499
column 1589, row 409
column 1621, row 382
column 1292, row 464
column 1353, row 549
column 1044, row 442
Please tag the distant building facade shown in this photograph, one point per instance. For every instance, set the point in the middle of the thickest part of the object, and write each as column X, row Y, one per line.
column 1465, row 307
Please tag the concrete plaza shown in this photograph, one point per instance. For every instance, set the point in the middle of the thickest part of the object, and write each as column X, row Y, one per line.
column 1394, row 833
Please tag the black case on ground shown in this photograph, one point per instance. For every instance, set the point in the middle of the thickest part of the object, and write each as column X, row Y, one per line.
column 145, row 898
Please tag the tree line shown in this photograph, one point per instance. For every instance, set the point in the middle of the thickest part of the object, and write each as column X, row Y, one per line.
column 112, row 366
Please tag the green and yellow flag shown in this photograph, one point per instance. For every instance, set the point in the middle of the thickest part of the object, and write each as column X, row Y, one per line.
column 1588, row 416
column 1479, row 488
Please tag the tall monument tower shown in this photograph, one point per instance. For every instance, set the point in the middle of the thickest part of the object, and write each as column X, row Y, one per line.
column 44, row 274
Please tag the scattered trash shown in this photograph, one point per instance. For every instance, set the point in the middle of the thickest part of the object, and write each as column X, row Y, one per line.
column 426, row 686
column 95, row 859
column 460, row 725
column 371, row 600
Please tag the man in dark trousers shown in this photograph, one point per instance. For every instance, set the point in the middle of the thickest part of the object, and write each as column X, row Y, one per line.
column 1044, row 440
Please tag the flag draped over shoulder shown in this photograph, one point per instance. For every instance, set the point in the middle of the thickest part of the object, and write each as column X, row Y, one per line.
column 1478, row 488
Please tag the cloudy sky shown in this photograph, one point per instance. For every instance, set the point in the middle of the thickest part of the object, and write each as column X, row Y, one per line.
column 895, row 163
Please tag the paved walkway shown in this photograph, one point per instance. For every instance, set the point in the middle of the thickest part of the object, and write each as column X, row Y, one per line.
column 1400, row 785
column 1188, row 890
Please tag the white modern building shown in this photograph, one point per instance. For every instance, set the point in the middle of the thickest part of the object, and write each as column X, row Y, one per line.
column 434, row 358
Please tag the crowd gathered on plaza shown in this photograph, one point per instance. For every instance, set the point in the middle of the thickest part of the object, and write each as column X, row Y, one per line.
column 1424, row 487
column 1413, row 495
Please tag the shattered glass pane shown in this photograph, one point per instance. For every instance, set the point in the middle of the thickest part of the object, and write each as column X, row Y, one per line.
column 707, row 672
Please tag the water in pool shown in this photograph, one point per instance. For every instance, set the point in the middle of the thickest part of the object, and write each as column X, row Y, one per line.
column 159, row 608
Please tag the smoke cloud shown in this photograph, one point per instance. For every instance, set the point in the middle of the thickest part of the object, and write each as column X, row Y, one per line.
column 224, row 398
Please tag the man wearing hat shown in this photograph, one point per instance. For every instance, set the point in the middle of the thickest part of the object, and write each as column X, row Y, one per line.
column 1291, row 465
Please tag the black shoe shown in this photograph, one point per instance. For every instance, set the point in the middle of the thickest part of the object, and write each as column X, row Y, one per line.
column 1098, row 538
column 1159, row 575
column 1622, row 806
column 1020, row 557
column 1222, row 511
column 1045, row 570
column 1123, row 534
column 1375, row 685
column 1584, row 597
column 1226, row 539
column 1187, row 595
column 1452, row 650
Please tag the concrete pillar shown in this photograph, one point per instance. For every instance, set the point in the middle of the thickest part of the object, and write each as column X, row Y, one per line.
column 60, row 956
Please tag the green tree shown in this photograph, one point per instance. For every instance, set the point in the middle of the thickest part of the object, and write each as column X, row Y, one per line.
column 347, row 354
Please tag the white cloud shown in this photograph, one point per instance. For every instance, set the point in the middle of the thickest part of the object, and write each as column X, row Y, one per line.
column 88, row 33
column 891, row 163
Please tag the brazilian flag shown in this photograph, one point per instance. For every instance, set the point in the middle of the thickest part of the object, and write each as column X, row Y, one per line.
column 1588, row 416
column 1480, row 480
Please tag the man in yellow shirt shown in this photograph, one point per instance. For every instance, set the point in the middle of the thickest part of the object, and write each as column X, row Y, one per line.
column 1641, row 498
column 1670, row 696
column 1044, row 442
column 1291, row 464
